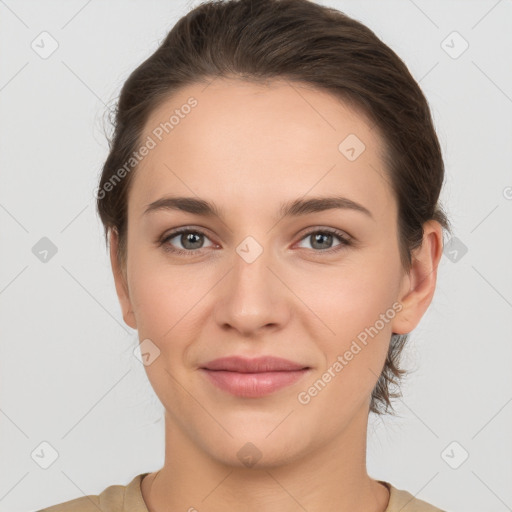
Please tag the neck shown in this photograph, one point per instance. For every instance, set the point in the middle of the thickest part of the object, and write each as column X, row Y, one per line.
column 331, row 477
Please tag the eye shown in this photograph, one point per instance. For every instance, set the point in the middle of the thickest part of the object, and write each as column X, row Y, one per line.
column 191, row 240
column 322, row 240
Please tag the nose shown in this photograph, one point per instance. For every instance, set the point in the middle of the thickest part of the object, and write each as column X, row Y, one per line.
column 253, row 297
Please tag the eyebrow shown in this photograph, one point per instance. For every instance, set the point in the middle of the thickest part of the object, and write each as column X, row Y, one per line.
column 293, row 208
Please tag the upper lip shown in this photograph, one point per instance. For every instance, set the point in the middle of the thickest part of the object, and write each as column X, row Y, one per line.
column 255, row 365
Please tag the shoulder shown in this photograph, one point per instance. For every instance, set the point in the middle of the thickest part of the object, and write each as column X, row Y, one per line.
column 403, row 501
column 115, row 498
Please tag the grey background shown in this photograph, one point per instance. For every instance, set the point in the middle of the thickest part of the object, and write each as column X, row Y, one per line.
column 68, row 376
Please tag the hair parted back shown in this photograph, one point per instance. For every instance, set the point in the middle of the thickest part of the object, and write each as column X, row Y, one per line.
column 302, row 42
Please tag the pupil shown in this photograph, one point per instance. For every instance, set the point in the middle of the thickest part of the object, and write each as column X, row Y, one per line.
column 321, row 237
column 189, row 237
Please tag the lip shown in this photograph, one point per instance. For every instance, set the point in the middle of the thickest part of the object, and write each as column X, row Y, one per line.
column 253, row 377
column 253, row 365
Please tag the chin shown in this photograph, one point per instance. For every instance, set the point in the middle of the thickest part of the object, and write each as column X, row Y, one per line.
column 256, row 450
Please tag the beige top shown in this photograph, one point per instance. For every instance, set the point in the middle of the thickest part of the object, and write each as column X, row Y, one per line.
column 128, row 498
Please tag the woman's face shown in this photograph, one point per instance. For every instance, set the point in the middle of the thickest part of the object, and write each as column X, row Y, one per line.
column 254, row 282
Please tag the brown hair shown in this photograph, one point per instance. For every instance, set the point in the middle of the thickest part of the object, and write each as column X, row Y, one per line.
column 303, row 42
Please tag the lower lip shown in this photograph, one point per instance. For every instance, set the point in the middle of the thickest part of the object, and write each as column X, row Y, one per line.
column 252, row 385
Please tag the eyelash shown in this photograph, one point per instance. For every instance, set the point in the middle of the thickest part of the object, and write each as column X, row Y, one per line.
column 344, row 239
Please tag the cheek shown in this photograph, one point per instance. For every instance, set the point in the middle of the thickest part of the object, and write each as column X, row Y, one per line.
column 356, row 303
column 360, row 315
column 351, row 297
column 167, row 299
column 157, row 296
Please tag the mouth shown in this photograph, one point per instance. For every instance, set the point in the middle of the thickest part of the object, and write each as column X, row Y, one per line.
column 252, row 378
column 252, row 385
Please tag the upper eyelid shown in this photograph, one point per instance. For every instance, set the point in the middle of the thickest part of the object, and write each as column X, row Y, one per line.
column 185, row 229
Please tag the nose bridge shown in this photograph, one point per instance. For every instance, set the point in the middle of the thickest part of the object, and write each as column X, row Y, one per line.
column 251, row 264
column 252, row 296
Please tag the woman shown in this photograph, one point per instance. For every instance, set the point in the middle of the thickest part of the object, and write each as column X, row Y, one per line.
column 271, row 203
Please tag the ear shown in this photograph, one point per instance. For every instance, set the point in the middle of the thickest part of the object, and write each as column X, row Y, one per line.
column 121, row 281
column 419, row 284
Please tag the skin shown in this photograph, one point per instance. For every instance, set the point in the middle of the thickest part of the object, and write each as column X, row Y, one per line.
column 249, row 147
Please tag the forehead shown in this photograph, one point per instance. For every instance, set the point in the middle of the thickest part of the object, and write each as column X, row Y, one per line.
column 257, row 142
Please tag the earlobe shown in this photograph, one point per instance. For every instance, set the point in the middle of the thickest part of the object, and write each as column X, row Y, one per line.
column 419, row 284
column 120, row 280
